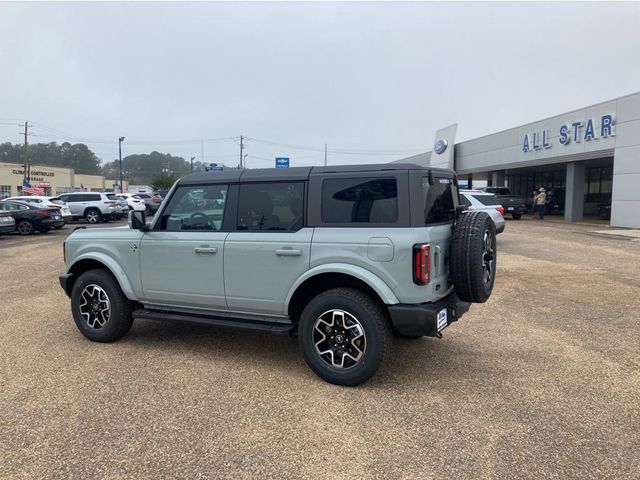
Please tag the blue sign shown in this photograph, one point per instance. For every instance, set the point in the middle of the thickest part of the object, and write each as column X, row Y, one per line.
column 282, row 162
column 440, row 146
column 212, row 167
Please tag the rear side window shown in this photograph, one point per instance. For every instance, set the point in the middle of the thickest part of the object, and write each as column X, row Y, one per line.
column 56, row 201
column 277, row 206
column 438, row 200
column 112, row 196
column 464, row 200
column 359, row 200
column 486, row 199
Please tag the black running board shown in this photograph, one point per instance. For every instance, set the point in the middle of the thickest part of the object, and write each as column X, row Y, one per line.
column 281, row 329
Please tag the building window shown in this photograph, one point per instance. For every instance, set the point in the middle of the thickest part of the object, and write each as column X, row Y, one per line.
column 5, row 191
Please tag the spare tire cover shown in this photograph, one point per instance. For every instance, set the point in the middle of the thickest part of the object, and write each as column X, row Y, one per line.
column 473, row 256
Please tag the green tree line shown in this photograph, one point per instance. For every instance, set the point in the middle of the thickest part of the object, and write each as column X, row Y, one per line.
column 137, row 169
column 77, row 156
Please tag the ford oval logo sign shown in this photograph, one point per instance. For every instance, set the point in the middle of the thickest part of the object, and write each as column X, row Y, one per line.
column 440, row 146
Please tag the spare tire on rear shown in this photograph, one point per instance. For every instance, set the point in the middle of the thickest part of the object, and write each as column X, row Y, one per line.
column 473, row 256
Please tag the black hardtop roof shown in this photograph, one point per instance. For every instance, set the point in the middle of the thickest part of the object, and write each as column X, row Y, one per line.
column 297, row 173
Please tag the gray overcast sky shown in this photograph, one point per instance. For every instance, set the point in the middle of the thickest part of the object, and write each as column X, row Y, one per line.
column 359, row 76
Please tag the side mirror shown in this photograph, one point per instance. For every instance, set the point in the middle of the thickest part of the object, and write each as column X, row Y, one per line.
column 137, row 220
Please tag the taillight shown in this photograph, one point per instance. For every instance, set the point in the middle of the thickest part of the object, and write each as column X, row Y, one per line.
column 421, row 264
column 43, row 212
column 64, row 251
column 501, row 210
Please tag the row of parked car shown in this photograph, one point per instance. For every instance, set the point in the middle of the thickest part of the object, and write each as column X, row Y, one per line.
column 27, row 214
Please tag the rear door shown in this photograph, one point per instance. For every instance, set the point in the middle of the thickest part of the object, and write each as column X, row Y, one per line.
column 181, row 259
column 270, row 247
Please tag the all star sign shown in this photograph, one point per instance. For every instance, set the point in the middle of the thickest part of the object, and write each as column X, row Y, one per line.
column 574, row 132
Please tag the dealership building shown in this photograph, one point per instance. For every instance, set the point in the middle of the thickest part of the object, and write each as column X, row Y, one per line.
column 53, row 180
column 585, row 159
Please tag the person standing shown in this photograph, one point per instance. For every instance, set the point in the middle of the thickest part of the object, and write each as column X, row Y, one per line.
column 540, row 202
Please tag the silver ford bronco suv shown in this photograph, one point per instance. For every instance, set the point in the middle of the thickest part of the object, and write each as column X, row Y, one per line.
column 342, row 257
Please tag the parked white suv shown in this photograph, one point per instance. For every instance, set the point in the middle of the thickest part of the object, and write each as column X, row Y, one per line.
column 94, row 206
column 134, row 202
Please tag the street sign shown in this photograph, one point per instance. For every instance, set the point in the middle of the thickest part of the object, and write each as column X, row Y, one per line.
column 282, row 162
column 212, row 167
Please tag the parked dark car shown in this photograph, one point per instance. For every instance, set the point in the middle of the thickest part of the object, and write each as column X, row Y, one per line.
column 30, row 218
column 604, row 211
column 514, row 205
column 7, row 223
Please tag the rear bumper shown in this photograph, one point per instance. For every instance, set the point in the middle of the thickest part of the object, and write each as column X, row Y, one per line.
column 421, row 319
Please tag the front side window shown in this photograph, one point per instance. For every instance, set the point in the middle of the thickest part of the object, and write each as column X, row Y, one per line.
column 438, row 199
column 271, row 207
column 195, row 208
column 359, row 200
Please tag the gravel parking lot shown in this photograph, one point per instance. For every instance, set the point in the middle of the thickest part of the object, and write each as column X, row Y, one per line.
column 541, row 381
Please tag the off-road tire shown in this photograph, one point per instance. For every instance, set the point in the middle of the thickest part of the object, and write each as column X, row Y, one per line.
column 371, row 317
column 120, row 317
column 468, row 256
column 93, row 215
column 25, row 227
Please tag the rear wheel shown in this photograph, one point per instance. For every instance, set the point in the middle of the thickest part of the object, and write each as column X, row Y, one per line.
column 100, row 309
column 25, row 227
column 344, row 336
column 517, row 216
column 93, row 215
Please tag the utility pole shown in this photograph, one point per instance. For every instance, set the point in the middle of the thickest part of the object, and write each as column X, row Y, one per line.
column 192, row 159
column 325, row 154
column 120, row 140
column 241, row 149
column 27, row 167
column 202, row 151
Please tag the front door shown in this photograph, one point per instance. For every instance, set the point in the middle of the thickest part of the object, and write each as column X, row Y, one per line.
column 270, row 248
column 181, row 259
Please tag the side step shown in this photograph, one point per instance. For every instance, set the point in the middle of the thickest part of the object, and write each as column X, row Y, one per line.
column 267, row 327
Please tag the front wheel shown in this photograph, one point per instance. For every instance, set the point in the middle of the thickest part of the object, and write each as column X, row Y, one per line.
column 100, row 309
column 344, row 336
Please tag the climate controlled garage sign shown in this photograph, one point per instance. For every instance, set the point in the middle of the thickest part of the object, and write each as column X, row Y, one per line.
column 574, row 132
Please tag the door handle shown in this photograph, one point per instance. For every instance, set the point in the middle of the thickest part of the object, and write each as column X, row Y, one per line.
column 208, row 251
column 288, row 252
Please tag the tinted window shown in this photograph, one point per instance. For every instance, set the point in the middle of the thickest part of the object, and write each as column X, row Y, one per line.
column 438, row 204
column 195, row 208
column 359, row 200
column 271, row 206
column 112, row 196
column 486, row 199
column 57, row 201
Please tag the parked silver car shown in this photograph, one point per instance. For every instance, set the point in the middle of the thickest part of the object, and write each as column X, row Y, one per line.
column 486, row 202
